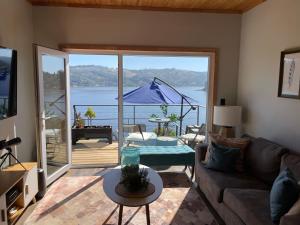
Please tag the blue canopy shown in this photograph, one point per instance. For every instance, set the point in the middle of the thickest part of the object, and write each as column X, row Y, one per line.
column 156, row 93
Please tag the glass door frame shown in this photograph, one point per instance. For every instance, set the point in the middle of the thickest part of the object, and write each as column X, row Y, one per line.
column 121, row 51
column 42, row 154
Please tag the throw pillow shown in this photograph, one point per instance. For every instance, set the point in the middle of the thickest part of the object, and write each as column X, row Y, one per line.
column 284, row 193
column 240, row 143
column 222, row 158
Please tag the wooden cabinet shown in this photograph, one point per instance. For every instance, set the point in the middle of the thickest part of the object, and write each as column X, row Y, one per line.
column 11, row 195
column 18, row 188
column 30, row 188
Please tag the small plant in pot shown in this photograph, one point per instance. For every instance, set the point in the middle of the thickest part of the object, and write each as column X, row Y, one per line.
column 90, row 114
column 154, row 116
column 79, row 122
column 134, row 178
column 164, row 109
column 173, row 118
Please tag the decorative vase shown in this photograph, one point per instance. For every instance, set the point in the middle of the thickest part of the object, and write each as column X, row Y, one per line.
column 130, row 156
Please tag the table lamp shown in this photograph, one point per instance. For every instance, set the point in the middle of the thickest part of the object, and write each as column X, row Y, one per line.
column 227, row 117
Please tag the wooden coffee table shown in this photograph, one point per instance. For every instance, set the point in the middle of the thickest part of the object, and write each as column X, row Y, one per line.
column 112, row 179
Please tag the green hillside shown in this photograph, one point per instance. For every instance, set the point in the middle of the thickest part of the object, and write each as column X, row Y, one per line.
column 99, row 76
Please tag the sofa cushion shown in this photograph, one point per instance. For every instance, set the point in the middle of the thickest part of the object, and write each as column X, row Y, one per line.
column 222, row 158
column 291, row 161
column 263, row 159
column 240, row 143
column 251, row 205
column 284, row 193
column 218, row 181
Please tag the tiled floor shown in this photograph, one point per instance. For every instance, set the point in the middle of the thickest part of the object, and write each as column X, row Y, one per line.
column 78, row 198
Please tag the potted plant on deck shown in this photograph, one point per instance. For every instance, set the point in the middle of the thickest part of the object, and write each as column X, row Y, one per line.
column 90, row 114
column 79, row 122
column 90, row 132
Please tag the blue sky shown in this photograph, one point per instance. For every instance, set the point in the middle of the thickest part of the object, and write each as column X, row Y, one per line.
column 53, row 64
column 142, row 62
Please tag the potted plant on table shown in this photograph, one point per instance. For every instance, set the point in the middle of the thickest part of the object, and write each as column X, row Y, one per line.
column 134, row 178
column 164, row 109
column 173, row 118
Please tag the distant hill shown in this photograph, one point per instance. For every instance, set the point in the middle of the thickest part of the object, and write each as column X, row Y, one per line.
column 99, row 76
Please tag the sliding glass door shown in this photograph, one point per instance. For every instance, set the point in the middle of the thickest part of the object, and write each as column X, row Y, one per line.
column 54, row 112
column 94, row 106
column 164, row 97
column 107, row 112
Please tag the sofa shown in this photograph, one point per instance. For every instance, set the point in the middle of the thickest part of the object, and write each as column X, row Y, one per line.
column 243, row 198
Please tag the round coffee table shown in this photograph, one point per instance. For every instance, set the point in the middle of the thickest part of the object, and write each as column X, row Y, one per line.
column 112, row 179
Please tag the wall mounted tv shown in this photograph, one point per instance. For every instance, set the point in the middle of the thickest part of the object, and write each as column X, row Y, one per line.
column 8, row 82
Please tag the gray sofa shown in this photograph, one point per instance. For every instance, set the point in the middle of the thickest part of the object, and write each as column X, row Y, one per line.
column 241, row 199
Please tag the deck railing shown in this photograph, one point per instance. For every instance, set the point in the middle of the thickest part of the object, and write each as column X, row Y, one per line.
column 135, row 114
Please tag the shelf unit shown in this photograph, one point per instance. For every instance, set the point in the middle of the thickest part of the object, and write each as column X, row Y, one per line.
column 11, row 180
column 15, row 177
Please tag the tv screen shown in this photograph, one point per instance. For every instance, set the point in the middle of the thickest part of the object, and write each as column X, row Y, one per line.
column 8, row 82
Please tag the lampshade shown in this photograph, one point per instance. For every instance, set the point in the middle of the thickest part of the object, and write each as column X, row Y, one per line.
column 227, row 116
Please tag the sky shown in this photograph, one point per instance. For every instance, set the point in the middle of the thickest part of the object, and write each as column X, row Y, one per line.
column 200, row 64
column 142, row 62
column 52, row 64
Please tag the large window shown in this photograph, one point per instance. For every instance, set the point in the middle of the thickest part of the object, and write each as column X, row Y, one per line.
column 109, row 85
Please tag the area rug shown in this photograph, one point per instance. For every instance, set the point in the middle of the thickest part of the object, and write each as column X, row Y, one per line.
column 81, row 200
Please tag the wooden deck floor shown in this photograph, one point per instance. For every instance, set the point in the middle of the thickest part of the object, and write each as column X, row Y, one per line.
column 92, row 152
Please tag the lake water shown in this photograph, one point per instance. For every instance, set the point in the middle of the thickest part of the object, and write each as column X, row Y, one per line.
column 108, row 115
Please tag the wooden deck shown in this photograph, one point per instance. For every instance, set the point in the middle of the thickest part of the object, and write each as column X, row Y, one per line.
column 94, row 152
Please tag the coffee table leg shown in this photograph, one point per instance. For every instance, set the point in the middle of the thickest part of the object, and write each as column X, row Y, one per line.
column 147, row 214
column 120, row 214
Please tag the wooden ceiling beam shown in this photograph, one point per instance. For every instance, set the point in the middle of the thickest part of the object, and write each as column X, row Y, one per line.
column 231, row 7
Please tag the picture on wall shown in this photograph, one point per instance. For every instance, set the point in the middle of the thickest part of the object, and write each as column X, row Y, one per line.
column 289, row 75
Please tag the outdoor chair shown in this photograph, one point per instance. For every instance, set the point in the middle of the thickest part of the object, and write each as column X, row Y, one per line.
column 137, row 135
column 194, row 134
column 132, row 128
column 53, row 134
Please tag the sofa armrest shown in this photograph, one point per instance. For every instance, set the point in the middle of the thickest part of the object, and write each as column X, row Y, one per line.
column 200, row 150
column 292, row 217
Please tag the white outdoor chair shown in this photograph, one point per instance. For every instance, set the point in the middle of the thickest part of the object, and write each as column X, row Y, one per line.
column 195, row 134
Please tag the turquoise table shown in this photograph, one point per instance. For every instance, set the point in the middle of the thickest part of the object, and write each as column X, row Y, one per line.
column 179, row 155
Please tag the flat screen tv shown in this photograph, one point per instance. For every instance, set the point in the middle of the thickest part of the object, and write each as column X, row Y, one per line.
column 8, row 82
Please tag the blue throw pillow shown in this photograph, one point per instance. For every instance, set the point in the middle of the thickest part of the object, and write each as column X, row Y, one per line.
column 222, row 158
column 284, row 193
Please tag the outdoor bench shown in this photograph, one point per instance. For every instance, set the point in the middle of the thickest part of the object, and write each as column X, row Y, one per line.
column 179, row 155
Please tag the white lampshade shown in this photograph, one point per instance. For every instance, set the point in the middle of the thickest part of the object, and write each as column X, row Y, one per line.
column 227, row 116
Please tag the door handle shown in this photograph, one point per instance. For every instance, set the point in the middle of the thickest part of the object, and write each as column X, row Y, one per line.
column 48, row 117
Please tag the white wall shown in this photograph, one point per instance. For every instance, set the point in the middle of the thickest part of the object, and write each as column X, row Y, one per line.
column 266, row 31
column 16, row 31
column 57, row 25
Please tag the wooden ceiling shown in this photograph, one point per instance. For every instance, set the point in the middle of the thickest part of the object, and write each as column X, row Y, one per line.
column 216, row 6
